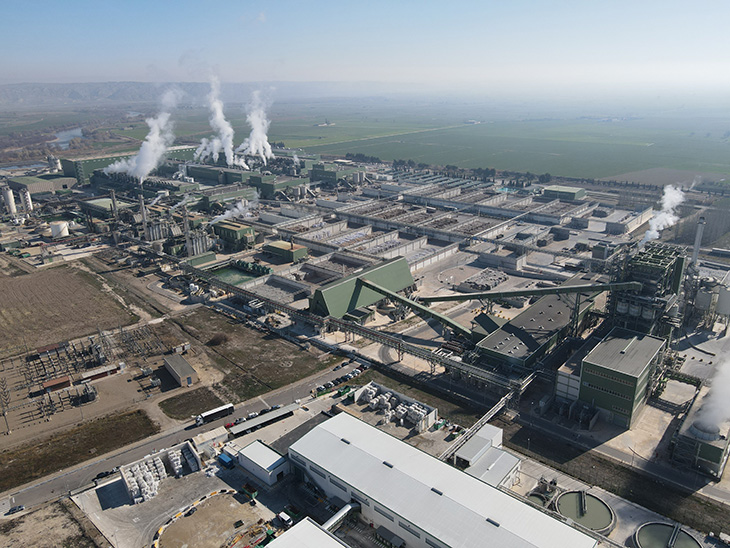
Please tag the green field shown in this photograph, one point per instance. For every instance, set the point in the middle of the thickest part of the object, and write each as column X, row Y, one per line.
column 561, row 143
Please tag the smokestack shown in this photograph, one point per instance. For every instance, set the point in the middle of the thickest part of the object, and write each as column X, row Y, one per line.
column 698, row 240
column 143, row 210
column 115, row 210
column 9, row 201
column 27, row 202
column 186, row 228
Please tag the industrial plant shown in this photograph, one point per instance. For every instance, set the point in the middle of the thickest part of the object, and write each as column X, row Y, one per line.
column 550, row 304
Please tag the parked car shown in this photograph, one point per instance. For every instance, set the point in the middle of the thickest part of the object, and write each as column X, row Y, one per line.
column 264, row 411
column 230, row 424
column 239, row 420
column 329, row 385
column 337, row 368
column 320, row 388
column 253, row 415
column 277, row 406
column 15, row 509
column 104, row 474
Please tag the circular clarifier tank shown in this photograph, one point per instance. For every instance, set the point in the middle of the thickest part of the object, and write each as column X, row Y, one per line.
column 657, row 535
column 537, row 498
column 587, row 510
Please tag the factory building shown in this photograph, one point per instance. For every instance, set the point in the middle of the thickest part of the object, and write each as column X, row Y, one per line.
column 307, row 534
column 181, row 370
column 483, row 457
column 102, row 208
column 618, row 374
column 700, row 442
column 522, row 341
column 41, row 184
column 344, row 296
column 259, row 460
column 235, row 236
column 629, row 222
column 82, row 169
column 654, row 310
column 288, row 252
column 414, row 499
column 559, row 192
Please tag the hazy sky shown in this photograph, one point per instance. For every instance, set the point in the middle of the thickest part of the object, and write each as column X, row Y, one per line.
column 487, row 44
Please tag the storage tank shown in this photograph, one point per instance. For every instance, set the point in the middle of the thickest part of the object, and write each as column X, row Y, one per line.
column 634, row 310
column 703, row 300
column 9, row 201
column 723, row 302
column 647, row 313
column 59, row 229
column 622, row 307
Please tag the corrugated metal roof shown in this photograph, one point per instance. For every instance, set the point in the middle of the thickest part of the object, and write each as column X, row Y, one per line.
column 447, row 504
column 263, row 455
column 307, row 534
column 493, row 466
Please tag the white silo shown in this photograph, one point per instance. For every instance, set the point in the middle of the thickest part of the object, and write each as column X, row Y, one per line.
column 9, row 201
column 27, row 202
column 723, row 302
column 59, row 229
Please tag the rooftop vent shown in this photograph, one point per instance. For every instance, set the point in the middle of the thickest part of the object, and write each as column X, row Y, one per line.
column 440, row 493
column 346, row 441
column 386, row 463
column 495, row 523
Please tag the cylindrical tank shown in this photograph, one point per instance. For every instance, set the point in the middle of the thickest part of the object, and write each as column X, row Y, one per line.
column 9, row 201
column 723, row 301
column 658, row 535
column 59, row 229
column 703, row 300
column 647, row 313
column 634, row 310
column 622, row 307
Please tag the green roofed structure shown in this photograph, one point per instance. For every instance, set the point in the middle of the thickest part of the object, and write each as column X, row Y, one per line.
column 564, row 192
column 342, row 296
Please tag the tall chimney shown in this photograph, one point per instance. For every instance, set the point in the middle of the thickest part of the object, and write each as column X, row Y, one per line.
column 115, row 210
column 143, row 210
column 698, row 240
column 186, row 228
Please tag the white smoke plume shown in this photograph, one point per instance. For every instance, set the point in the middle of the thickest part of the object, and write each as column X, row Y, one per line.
column 158, row 140
column 716, row 407
column 296, row 159
column 257, row 143
column 241, row 210
column 671, row 198
column 184, row 201
column 222, row 141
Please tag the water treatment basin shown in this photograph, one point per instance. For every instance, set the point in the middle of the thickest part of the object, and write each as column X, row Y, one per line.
column 657, row 535
column 592, row 513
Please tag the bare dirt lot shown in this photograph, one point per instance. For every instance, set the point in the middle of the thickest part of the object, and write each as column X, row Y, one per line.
column 29, row 462
column 48, row 527
column 193, row 402
column 253, row 362
column 55, row 305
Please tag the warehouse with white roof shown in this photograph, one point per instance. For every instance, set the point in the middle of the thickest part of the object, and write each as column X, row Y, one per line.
column 417, row 497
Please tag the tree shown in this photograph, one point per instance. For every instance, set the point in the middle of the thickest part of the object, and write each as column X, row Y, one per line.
column 545, row 178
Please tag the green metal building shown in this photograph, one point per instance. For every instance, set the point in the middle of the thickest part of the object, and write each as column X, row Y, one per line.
column 235, row 236
column 560, row 192
column 289, row 252
column 82, row 168
column 345, row 295
column 618, row 374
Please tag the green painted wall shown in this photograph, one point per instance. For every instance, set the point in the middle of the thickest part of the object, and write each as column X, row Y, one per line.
column 342, row 296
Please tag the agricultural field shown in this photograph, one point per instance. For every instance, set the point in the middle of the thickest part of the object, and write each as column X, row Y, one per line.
column 56, row 305
column 252, row 362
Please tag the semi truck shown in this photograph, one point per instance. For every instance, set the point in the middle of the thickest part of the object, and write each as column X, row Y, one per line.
column 213, row 414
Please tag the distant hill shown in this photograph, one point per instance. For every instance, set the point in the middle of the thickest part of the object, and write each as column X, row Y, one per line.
column 28, row 96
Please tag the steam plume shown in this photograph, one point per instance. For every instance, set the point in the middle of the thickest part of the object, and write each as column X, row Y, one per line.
column 716, row 407
column 671, row 198
column 153, row 149
column 222, row 141
column 241, row 210
column 257, row 143
column 295, row 158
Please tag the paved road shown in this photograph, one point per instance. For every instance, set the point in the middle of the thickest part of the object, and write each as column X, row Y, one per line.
column 56, row 485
